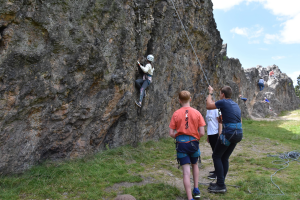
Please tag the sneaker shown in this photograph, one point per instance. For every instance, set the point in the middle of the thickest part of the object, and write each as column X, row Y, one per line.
column 211, row 184
column 215, row 188
column 138, row 104
column 196, row 193
column 212, row 177
column 212, row 172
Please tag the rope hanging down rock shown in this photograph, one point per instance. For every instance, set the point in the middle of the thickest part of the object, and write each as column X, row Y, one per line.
column 190, row 41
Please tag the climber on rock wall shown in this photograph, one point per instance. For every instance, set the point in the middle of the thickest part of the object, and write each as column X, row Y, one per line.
column 189, row 124
column 243, row 99
column 271, row 74
column 261, row 83
column 268, row 102
column 142, row 84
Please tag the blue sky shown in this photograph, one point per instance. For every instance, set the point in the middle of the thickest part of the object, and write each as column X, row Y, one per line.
column 261, row 32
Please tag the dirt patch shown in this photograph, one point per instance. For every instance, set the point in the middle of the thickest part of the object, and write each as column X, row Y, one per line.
column 293, row 115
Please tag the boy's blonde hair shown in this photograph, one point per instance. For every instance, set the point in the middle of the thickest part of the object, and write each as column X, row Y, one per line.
column 184, row 96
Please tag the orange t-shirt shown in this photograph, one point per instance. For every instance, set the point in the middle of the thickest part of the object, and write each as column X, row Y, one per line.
column 186, row 121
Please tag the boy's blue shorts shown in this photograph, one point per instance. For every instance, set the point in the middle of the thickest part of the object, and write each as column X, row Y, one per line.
column 187, row 152
column 184, row 158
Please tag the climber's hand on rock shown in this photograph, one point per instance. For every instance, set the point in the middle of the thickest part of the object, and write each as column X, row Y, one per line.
column 210, row 89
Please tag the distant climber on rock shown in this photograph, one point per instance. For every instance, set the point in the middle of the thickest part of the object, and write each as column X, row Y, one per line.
column 189, row 124
column 261, row 84
column 271, row 74
column 243, row 99
column 268, row 102
column 142, row 84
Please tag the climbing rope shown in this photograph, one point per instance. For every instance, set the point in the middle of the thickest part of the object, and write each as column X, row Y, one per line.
column 189, row 41
column 286, row 158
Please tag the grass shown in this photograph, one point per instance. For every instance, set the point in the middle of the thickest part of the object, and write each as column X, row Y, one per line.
column 105, row 174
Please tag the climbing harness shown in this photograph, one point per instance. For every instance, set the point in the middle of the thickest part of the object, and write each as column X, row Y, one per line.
column 186, row 139
column 190, row 41
column 236, row 126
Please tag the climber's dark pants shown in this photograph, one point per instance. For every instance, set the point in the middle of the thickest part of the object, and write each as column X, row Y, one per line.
column 142, row 85
column 261, row 86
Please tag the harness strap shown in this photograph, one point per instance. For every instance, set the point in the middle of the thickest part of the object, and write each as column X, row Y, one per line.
column 187, row 141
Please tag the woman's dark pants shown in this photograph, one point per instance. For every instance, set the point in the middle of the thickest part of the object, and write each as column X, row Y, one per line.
column 221, row 155
column 142, row 85
column 213, row 140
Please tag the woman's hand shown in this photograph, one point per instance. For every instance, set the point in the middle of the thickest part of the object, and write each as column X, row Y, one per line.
column 210, row 89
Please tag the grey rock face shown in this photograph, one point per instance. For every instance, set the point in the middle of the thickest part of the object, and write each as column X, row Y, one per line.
column 67, row 71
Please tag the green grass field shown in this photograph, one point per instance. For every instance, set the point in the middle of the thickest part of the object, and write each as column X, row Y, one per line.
column 148, row 171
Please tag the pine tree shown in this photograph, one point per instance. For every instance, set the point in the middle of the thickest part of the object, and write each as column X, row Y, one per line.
column 297, row 88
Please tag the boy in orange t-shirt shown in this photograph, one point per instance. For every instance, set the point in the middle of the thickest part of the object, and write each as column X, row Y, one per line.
column 189, row 124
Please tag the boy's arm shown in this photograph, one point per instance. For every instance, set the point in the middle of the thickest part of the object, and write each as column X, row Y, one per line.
column 201, row 131
column 172, row 133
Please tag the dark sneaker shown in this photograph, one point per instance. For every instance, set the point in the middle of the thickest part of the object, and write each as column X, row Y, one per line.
column 211, row 184
column 217, row 189
column 212, row 172
column 212, row 177
column 138, row 104
column 196, row 193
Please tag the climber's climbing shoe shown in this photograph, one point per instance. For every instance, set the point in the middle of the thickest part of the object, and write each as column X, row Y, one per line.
column 138, row 104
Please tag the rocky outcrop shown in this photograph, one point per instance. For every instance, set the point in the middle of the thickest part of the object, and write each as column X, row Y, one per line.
column 67, row 71
column 279, row 91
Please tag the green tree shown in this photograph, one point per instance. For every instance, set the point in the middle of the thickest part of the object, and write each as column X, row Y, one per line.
column 297, row 87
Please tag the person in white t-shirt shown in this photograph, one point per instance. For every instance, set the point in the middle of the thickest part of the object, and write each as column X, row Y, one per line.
column 214, row 129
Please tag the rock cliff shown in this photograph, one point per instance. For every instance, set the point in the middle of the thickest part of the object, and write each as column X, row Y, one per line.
column 67, row 71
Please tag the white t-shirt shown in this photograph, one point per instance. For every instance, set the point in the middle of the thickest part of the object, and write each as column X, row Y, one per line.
column 212, row 122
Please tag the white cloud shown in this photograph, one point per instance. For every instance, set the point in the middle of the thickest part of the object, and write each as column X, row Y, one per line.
column 270, row 38
column 225, row 5
column 294, row 76
column 291, row 31
column 253, row 32
column 287, row 11
column 253, row 42
column 278, row 7
column 278, row 57
column 281, row 8
column 240, row 31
